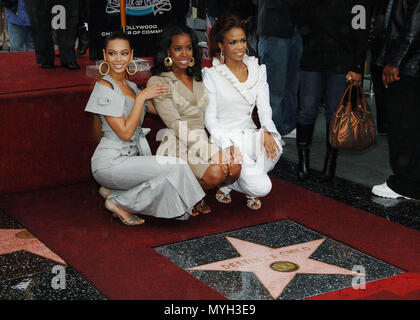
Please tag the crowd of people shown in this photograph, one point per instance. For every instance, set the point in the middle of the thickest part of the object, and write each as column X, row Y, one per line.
column 26, row 25
column 314, row 48
column 305, row 62
column 235, row 156
column 309, row 51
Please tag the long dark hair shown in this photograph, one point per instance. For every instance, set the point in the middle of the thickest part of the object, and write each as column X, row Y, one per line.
column 217, row 33
column 164, row 42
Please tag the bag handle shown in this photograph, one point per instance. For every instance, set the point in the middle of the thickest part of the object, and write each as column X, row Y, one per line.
column 359, row 88
column 348, row 105
column 360, row 94
column 365, row 105
column 343, row 96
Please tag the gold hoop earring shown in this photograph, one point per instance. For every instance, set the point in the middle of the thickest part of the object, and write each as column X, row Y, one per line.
column 135, row 67
column 168, row 62
column 192, row 63
column 100, row 68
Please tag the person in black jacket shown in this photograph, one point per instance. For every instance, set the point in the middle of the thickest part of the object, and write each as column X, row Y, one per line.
column 401, row 77
column 41, row 15
column 280, row 48
column 334, row 49
column 376, row 44
column 82, row 28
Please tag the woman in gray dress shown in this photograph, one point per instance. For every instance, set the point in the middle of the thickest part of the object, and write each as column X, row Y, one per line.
column 133, row 181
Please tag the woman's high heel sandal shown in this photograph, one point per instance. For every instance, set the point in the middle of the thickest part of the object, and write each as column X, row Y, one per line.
column 223, row 197
column 201, row 207
column 104, row 192
column 253, row 203
column 118, row 212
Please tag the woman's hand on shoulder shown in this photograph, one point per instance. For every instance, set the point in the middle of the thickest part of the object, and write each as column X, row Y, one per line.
column 153, row 91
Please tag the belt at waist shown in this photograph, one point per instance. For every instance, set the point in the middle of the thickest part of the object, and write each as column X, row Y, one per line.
column 138, row 139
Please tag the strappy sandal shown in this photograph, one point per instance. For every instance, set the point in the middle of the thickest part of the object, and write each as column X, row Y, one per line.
column 253, row 203
column 133, row 220
column 201, row 207
column 223, row 197
column 104, row 192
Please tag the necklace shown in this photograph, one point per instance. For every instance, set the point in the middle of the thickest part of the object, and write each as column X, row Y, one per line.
column 244, row 68
column 238, row 73
column 241, row 71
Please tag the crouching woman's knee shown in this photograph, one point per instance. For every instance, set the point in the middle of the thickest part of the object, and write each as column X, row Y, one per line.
column 235, row 172
column 214, row 176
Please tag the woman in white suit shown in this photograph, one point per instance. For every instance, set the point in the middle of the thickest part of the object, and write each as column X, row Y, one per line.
column 236, row 84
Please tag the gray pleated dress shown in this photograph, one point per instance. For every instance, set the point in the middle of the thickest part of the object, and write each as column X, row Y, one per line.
column 158, row 186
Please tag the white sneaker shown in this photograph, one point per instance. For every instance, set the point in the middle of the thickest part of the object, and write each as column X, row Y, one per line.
column 292, row 134
column 382, row 190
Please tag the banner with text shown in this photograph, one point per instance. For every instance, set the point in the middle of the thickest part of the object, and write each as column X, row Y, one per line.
column 145, row 20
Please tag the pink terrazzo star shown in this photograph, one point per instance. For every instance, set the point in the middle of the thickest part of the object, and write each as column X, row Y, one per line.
column 12, row 240
column 275, row 267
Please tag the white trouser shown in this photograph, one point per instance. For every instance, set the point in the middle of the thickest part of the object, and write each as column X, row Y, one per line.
column 254, row 180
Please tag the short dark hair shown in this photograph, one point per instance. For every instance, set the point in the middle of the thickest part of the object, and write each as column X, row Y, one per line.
column 164, row 43
column 116, row 35
column 217, row 33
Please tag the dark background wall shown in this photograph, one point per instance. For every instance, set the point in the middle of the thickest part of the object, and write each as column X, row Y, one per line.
column 243, row 8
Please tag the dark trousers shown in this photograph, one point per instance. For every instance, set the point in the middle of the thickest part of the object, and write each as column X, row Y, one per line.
column 402, row 103
column 40, row 13
column 281, row 57
column 318, row 87
column 379, row 89
column 83, row 12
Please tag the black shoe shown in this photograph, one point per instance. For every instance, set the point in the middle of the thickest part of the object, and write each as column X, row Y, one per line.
column 81, row 51
column 304, row 134
column 303, row 165
column 83, row 45
column 71, row 66
column 330, row 164
column 47, row 66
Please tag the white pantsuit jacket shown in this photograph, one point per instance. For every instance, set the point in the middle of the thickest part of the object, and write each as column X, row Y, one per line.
column 228, row 118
